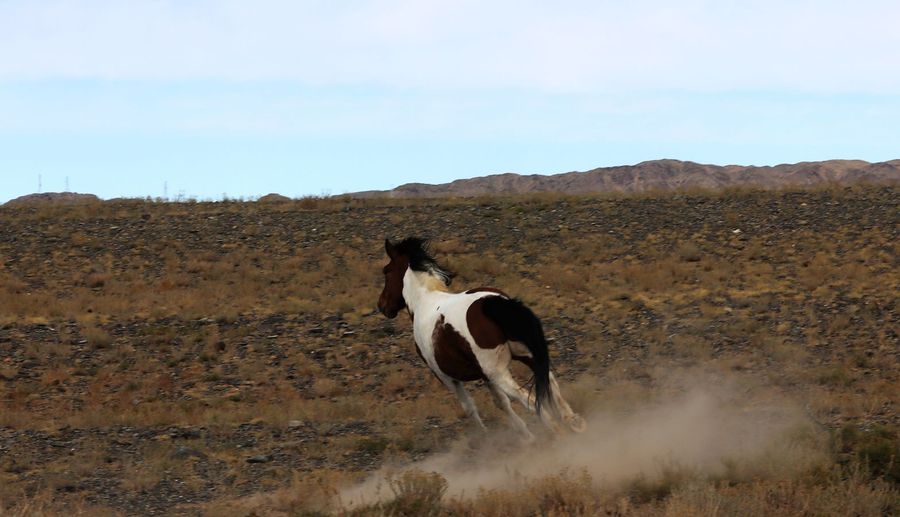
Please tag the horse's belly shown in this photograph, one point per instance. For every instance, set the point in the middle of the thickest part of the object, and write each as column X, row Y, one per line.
column 446, row 351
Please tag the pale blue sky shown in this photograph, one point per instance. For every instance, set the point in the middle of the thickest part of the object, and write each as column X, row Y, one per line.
column 220, row 97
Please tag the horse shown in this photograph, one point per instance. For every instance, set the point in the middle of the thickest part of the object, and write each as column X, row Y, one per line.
column 473, row 335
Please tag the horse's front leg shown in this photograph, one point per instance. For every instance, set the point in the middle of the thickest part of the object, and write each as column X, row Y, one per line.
column 466, row 402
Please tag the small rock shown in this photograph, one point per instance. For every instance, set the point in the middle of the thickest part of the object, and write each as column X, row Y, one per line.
column 262, row 458
column 295, row 423
column 183, row 453
column 186, row 432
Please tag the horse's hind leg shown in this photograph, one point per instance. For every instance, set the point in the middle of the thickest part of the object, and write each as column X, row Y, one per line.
column 502, row 401
column 572, row 419
column 505, row 382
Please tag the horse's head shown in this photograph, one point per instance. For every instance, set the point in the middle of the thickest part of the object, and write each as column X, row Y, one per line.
column 391, row 301
column 409, row 254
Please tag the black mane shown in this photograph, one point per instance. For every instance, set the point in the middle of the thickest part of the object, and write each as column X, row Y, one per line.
column 416, row 250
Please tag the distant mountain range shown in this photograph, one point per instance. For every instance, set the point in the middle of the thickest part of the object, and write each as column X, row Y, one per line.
column 656, row 175
column 659, row 175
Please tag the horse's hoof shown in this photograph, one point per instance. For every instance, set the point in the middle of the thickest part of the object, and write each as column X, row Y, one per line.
column 576, row 424
column 527, row 439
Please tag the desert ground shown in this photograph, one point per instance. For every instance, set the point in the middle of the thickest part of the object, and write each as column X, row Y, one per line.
column 734, row 353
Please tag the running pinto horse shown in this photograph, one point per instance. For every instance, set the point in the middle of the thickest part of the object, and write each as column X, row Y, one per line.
column 473, row 336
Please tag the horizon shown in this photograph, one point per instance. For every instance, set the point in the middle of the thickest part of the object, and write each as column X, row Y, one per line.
column 213, row 99
column 225, row 197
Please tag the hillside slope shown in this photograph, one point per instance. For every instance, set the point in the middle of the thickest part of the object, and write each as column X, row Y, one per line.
column 656, row 175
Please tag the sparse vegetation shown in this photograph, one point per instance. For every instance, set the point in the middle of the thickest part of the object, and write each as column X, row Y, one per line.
column 221, row 358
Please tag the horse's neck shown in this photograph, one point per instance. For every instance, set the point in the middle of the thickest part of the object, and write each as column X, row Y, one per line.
column 419, row 287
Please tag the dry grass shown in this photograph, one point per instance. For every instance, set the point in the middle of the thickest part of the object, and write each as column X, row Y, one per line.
column 678, row 493
column 120, row 322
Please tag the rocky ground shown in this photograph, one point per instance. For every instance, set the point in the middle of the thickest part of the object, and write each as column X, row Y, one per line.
column 164, row 358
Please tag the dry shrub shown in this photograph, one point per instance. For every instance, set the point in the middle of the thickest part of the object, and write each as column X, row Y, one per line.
column 563, row 278
column 567, row 493
column 590, row 252
column 416, row 493
column 12, row 284
column 212, row 343
column 97, row 337
column 817, row 272
column 325, row 387
column 876, row 449
column 688, row 252
column 311, row 202
column 482, row 266
column 54, row 376
column 839, row 496
column 647, row 276
column 694, row 346
column 450, row 247
column 307, row 494
column 47, row 503
column 96, row 280
column 395, row 382
column 137, row 478
column 79, row 239
column 839, row 322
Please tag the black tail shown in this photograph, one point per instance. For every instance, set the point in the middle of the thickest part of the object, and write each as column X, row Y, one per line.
column 520, row 324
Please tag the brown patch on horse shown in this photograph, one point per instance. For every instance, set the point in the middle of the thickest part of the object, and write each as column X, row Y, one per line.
column 486, row 333
column 487, row 290
column 453, row 354
column 391, row 300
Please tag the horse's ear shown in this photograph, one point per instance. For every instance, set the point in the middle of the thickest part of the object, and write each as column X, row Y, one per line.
column 389, row 248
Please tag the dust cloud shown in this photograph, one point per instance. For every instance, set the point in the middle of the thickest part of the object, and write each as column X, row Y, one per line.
column 706, row 431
